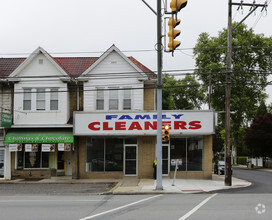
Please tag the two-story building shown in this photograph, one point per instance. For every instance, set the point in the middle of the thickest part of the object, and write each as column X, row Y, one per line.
column 95, row 117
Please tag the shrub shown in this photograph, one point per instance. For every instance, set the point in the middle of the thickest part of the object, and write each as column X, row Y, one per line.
column 242, row 160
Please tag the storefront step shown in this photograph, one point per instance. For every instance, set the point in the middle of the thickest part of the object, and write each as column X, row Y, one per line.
column 61, row 177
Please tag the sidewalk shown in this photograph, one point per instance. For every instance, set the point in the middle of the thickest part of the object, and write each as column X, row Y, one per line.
column 133, row 185
column 147, row 186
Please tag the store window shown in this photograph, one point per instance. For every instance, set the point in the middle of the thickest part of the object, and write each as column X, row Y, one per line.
column 190, row 150
column 104, row 154
column 32, row 160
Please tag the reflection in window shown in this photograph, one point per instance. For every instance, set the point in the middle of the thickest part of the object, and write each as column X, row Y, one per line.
column 113, row 99
column 27, row 99
column 190, row 150
column 127, row 99
column 100, row 100
column 54, row 100
column 104, row 154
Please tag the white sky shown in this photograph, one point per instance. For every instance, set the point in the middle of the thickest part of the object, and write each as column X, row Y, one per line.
column 64, row 26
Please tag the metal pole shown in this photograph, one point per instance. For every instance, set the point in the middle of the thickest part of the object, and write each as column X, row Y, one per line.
column 159, row 99
column 228, row 92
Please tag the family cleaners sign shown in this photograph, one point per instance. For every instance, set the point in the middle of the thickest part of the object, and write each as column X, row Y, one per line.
column 142, row 123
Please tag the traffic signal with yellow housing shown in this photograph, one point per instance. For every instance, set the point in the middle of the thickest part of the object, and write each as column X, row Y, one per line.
column 165, row 133
column 172, row 34
column 177, row 5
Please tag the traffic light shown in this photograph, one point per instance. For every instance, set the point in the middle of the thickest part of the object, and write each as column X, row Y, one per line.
column 172, row 34
column 177, row 5
column 165, row 133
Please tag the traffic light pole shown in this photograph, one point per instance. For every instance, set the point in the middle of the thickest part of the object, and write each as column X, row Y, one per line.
column 159, row 99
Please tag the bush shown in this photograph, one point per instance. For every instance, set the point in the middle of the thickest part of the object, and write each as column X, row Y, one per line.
column 242, row 160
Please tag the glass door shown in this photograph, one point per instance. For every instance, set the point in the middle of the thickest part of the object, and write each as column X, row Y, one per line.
column 130, row 160
column 60, row 164
column 2, row 163
column 165, row 160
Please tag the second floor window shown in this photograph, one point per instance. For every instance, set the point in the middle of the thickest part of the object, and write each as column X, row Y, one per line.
column 127, row 99
column 41, row 99
column 27, row 99
column 113, row 99
column 100, row 100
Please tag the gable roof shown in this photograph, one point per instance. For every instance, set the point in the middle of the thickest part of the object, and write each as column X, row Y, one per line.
column 72, row 66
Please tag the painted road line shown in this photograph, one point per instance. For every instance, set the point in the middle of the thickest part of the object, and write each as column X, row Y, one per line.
column 197, row 207
column 121, row 207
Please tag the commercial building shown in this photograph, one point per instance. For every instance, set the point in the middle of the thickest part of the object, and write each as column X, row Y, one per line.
column 95, row 117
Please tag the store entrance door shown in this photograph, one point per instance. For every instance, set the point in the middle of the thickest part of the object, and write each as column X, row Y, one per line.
column 2, row 163
column 165, row 159
column 130, row 160
column 60, row 164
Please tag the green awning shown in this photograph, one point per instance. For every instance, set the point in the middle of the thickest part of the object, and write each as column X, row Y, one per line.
column 39, row 137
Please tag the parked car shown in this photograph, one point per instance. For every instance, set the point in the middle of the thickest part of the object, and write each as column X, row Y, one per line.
column 219, row 167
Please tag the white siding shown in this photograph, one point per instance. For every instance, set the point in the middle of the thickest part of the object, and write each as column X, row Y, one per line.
column 104, row 75
column 52, row 80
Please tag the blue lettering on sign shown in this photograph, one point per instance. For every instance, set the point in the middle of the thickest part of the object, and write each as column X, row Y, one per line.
column 177, row 116
column 142, row 117
column 125, row 117
column 109, row 117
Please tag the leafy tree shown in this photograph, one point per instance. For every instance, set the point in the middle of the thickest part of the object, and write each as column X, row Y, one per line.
column 251, row 59
column 262, row 109
column 183, row 93
column 259, row 136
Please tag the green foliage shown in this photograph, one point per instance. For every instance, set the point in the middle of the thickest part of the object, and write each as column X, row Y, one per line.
column 259, row 136
column 242, row 160
column 262, row 109
column 183, row 93
column 251, row 58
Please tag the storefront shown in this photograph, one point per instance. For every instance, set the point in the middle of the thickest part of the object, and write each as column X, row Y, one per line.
column 113, row 145
column 40, row 153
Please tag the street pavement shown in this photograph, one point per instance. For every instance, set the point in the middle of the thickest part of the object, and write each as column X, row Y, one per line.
column 127, row 185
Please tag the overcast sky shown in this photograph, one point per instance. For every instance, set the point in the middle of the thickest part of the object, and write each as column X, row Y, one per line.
column 65, row 26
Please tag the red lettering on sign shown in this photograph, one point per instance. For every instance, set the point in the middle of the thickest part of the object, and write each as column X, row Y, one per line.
column 180, row 125
column 195, row 125
column 106, row 126
column 135, row 126
column 120, row 125
column 92, row 125
column 149, row 125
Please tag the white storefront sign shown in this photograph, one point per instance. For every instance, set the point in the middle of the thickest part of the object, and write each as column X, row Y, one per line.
column 143, row 123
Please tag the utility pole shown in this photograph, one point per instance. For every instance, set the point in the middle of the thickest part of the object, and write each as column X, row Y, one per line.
column 159, row 99
column 228, row 179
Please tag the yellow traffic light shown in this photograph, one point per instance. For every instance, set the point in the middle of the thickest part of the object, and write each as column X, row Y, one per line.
column 165, row 133
column 177, row 5
column 172, row 34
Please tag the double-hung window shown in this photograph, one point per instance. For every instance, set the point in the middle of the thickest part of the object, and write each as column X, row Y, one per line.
column 27, row 99
column 54, row 100
column 127, row 99
column 100, row 100
column 40, row 99
column 113, row 99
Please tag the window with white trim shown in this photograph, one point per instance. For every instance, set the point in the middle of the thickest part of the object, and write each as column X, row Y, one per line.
column 54, row 99
column 41, row 99
column 100, row 100
column 127, row 99
column 27, row 99
column 113, row 99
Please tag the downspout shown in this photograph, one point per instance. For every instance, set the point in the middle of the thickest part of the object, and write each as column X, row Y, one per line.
column 77, row 142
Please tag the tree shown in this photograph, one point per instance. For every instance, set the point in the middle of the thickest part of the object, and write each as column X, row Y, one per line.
column 262, row 109
column 259, row 136
column 183, row 93
column 251, row 60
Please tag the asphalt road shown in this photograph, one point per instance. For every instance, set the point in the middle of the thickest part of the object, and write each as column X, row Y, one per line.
column 77, row 202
